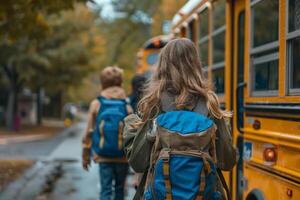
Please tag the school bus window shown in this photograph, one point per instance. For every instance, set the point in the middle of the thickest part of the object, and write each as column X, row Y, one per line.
column 264, row 48
column 293, row 45
column 218, row 34
column 204, row 53
column 203, row 37
column 294, row 50
column 266, row 73
column 264, row 22
column 191, row 30
column 218, row 45
column 218, row 80
column 294, row 15
column 241, row 38
column 219, row 14
column 203, row 24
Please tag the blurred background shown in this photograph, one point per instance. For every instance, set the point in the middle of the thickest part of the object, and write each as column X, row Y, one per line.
column 51, row 53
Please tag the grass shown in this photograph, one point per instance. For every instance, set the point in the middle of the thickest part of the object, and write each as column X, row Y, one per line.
column 11, row 170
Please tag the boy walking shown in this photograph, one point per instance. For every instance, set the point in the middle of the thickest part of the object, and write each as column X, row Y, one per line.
column 103, row 137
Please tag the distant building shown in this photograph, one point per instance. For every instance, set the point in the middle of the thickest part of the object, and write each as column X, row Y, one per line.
column 27, row 108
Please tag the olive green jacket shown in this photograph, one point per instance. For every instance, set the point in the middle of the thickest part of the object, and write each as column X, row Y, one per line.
column 138, row 141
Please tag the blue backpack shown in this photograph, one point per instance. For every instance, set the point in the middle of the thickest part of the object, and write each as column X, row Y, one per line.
column 107, row 136
column 182, row 164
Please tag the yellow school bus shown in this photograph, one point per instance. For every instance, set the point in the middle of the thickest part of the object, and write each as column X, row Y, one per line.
column 148, row 54
column 250, row 50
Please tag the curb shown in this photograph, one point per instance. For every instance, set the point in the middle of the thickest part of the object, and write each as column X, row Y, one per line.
column 27, row 138
column 33, row 138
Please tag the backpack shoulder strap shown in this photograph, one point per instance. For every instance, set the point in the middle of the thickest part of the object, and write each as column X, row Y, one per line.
column 220, row 174
column 140, row 190
column 104, row 100
column 101, row 101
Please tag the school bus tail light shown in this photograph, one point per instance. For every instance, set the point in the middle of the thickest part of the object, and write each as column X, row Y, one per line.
column 270, row 155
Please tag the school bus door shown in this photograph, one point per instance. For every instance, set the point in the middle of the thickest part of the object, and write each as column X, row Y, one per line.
column 238, row 28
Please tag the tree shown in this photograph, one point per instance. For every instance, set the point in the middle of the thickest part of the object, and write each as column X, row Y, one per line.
column 68, row 53
column 164, row 13
column 125, row 29
column 35, row 41
column 26, row 18
column 126, row 25
column 54, row 45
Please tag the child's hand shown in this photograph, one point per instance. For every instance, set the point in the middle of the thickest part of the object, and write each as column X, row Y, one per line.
column 86, row 164
column 86, row 161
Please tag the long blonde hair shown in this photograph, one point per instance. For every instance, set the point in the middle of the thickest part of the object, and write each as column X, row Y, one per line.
column 179, row 71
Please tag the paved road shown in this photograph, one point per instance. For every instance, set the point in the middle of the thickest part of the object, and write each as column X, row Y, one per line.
column 37, row 150
column 58, row 172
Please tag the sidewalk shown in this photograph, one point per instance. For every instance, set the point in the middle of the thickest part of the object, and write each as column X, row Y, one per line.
column 49, row 129
column 59, row 175
column 60, row 180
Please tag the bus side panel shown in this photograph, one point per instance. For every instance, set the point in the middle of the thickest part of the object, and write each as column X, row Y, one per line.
column 273, row 187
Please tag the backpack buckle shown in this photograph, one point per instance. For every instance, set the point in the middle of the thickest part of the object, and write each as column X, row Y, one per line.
column 165, row 155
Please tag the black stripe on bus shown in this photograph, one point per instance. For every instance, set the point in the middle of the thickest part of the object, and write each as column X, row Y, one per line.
column 270, row 116
column 277, row 111
column 278, row 107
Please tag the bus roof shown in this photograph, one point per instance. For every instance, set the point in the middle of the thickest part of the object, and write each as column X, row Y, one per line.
column 187, row 8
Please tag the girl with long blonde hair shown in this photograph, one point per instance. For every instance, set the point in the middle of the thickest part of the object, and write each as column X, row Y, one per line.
column 178, row 83
column 179, row 73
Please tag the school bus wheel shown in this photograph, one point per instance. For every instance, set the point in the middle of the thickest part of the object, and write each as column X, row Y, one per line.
column 255, row 194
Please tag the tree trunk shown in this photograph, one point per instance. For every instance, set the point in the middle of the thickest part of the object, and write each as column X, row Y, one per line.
column 61, row 103
column 12, row 113
column 9, row 117
column 39, row 104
